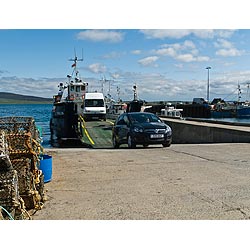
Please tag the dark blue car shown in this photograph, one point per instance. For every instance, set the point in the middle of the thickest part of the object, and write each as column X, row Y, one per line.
column 140, row 128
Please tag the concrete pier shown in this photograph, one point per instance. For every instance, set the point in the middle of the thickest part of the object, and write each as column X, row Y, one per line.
column 185, row 181
column 186, row 131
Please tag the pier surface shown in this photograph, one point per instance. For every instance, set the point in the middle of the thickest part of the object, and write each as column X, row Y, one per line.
column 195, row 181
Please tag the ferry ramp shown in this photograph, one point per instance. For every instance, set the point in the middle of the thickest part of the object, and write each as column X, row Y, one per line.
column 99, row 133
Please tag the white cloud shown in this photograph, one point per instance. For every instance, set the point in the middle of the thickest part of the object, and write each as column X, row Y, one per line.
column 162, row 33
column 226, row 48
column 223, row 43
column 184, row 52
column 225, row 33
column 179, row 66
column 148, row 61
column 97, row 68
column 101, row 36
column 229, row 52
column 30, row 86
column 191, row 58
column 202, row 58
column 185, row 58
column 136, row 52
column 113, row 55
column 180, row 33
column 150, row 86
column 189, row 44
column 115, row 75
column 166, row 52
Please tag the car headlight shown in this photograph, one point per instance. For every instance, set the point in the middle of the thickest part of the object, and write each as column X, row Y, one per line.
column 138, row 130
column 168, row 130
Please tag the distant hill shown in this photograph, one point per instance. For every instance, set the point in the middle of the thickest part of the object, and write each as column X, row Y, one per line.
column 10, row 98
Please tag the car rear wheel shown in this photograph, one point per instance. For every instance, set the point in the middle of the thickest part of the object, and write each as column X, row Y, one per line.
column 115, row 143
column 131, row 143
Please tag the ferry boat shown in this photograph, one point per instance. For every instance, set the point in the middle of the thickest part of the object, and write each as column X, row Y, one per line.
column 236, row 109
column 68, row 106
column 243, row 110
column 222, row 109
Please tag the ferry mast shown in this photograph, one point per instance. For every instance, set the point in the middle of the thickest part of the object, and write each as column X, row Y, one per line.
column 74, row 66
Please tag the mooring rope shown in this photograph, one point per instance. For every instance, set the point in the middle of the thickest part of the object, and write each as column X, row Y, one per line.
column 5, row 210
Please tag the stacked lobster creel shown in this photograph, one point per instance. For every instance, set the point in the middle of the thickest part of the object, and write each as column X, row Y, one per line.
column 10, row 199
column 24, row 151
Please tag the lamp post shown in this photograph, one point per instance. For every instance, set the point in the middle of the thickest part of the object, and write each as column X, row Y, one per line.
column 208, row 68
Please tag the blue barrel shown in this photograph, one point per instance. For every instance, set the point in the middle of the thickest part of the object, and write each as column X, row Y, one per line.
column 46, row 167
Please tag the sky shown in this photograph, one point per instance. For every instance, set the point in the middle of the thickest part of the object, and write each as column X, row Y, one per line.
column 165, row 64
column 164, row 50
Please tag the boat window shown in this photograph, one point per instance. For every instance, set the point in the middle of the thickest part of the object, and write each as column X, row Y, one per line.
column 72, row 88
column 82, row 88
column 77, row 88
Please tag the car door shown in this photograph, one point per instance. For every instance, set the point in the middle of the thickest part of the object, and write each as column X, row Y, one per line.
column 121, row 129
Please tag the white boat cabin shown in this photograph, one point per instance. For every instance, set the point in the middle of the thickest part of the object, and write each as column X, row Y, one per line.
column 171, row 112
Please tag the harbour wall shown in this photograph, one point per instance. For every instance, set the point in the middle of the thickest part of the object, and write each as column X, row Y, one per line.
column 185, row 131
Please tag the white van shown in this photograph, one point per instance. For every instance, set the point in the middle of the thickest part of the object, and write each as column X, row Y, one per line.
column 94, row 106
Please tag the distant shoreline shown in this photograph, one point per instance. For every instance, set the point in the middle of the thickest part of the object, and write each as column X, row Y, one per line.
column 11, row 98
column 14, row 102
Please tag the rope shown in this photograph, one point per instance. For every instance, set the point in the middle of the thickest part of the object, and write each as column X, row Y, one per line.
column 85, row 131
column 10, row 216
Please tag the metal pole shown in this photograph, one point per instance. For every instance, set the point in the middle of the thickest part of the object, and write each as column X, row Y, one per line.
column 208, row 68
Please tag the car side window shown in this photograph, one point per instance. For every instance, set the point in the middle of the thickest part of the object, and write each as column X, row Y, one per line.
column 121, row 120
column 126, row 120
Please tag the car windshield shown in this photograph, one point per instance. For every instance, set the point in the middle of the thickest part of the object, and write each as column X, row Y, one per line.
column 94, row 103
column 143, row 117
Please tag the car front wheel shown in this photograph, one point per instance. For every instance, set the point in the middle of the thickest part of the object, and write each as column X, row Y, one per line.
column 131, row 143
column 167, row 144
column 115, row 143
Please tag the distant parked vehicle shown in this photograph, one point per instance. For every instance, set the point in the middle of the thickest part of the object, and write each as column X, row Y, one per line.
column 140, row 128
column 199, row 101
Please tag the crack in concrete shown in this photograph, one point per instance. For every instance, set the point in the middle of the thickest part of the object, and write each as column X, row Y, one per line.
column 226, row 206
column 197, row 156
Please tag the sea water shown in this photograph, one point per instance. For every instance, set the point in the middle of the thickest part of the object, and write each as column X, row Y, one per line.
column 40, row 112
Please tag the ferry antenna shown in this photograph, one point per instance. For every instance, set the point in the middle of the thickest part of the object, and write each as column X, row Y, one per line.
column 75, row 60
